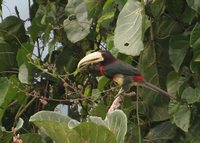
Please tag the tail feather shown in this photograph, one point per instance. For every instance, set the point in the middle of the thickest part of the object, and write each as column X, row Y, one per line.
column 156, row 89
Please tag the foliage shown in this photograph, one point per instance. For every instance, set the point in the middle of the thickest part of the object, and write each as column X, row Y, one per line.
column 38, row 70
column 64, row 129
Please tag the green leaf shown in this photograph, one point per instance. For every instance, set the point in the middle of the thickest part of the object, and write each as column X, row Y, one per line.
column 99, row 110
column 161, row 132
column 147, row 62
column 31, row 138
column 173, row 83
column 26, row 70
column 12, row 29
column 73, row 123
column 93, row 7
column 195, row 43
column 128, row 32
column 24, row 53
column 6, row 136
column 188, row 15
column 49, row 116
column 193, row 135
column 194, row 4
column 195, row 66
column 97, row 120
column 196, row 51
column 102, row 83
column 55, row 126
column 23, row 74
column 191, row 95
column 7, row 56
column 87, row 91
column 173, row 107
column 182, row 117
column 157, row 8
column 36, row 28
column 112, row 4
column 165, row 27
column 66, row 58
column 19, row 124
column 105, row 17
column 93, row 133
column 195, row 34
column 117, row 123
column 96, row 94
column 7, row 94
column 50, row 14
column 77, row 25
column 178, row 47
column 159, row 113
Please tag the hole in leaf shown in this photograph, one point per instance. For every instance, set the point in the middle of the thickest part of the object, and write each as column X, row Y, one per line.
column 126, row 44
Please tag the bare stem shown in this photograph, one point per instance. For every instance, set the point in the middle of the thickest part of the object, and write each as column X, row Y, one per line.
column 138, row 118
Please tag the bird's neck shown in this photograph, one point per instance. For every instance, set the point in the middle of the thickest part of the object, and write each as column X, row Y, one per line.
column 101, row 70
column 138, row 78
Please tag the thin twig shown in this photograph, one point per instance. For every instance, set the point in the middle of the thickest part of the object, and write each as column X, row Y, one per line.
column 138, row 118
column 22, row 109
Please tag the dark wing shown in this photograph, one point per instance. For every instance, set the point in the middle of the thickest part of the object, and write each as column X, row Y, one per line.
column 119, row 67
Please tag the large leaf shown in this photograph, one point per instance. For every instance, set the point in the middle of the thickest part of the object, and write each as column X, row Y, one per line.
column 157, row 8
column 173, row 83
column 31, row 138
column 117, row 123
column 128, row 32
column 12, row 30
column 77, row 25
column 93, row 7
column 195, row 34
column 23, row 59
column 5, row 136
column 7, row 56
column 178, row 47
column 7, row 94
column 55, row 126
column 193, row 135
column 194, row 4
column 93, row 133
column 165, row 27
column 196, row 50
column 24, row 53
column 149, row 68
column 191, row 95
column 99, row 110
column 102, row 82
column 159, row 113
column 148, row 63
column 181, row 115
column 195, row 43
column 161, row 132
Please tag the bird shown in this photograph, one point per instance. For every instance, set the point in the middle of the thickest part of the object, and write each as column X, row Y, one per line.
column 124, row 74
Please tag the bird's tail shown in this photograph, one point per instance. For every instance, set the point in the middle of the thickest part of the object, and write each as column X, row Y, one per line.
column 156, row 89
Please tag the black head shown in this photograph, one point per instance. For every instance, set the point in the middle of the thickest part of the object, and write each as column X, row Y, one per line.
column 108, row 57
